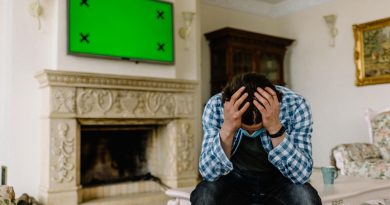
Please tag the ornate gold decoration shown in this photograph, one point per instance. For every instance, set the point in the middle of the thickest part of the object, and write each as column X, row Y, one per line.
column 372, row 52
column 64, row 147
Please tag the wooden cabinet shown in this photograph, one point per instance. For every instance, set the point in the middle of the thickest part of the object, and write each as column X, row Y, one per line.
column 236, row 51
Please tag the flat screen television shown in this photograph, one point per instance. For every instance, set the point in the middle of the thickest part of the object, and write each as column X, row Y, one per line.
column 137, row 30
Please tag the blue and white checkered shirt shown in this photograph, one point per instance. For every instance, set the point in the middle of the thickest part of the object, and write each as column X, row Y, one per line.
column 293, row 156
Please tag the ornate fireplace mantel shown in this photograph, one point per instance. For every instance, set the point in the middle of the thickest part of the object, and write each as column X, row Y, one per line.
column 71, row 99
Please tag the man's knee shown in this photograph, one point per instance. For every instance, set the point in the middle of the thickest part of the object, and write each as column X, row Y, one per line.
column 206, row 193
column 306, row 194
column 299, row 194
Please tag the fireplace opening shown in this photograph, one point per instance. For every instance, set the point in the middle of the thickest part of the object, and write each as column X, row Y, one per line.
column 113, row 154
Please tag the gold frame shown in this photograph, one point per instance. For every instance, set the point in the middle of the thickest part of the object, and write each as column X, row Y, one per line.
column 372, row 55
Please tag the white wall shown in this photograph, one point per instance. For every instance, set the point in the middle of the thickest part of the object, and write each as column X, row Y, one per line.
column 24, row 50
column 326, row 75
column 3, row 57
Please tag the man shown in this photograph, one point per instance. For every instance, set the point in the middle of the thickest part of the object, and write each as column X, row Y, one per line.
column 256, row 147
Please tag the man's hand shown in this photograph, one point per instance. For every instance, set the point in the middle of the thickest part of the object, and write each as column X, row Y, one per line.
column 232, row 119
column 269, row 109
column 233, row 113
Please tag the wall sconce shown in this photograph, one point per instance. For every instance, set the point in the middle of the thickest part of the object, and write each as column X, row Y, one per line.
column 185, row 31
column 36, row 10
column 330, row 21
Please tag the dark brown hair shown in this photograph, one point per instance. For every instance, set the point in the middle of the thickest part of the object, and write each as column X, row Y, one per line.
column 251, row 81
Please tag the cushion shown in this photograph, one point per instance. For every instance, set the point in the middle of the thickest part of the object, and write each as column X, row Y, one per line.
column 363, row 151
column 369, row 117
column 379, row 130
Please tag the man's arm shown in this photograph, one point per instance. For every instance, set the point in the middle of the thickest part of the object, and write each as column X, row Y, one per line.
column 220, row 126
column 213, row 161
column 292, row 150
column 293, row 155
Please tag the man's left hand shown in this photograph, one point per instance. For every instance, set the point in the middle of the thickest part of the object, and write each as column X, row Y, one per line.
column 269, row 108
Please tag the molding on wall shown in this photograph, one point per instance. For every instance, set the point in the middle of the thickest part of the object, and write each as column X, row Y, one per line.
column 94, row 80
column 263, row 8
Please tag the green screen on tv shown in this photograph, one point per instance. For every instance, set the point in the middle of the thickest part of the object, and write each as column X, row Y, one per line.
column 138, row 30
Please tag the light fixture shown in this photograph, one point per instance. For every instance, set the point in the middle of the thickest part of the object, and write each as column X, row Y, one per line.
column 330, row 21
column 185, row 31
column 36, row 11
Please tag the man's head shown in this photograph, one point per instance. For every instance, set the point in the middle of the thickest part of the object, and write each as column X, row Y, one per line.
column 251, row 81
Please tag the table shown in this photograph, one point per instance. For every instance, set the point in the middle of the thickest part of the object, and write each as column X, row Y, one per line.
column 347, row 190
column 350, row 190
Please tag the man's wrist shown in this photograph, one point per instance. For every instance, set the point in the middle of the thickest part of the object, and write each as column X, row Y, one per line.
column 226, row 128
column 225, row 133
column 274, row 129
column 279, row 133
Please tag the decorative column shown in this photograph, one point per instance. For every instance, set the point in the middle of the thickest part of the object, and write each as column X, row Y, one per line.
column 61, row 141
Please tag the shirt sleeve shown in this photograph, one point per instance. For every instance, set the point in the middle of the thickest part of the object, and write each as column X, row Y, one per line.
column 213, row 162
column 293, row 155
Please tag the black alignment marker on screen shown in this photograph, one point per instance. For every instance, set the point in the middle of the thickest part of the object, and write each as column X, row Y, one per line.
column 84, row 37
column 161, row 47
column 84, row 2
column 160, row 14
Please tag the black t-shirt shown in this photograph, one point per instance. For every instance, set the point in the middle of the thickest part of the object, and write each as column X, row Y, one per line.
column 251, row 156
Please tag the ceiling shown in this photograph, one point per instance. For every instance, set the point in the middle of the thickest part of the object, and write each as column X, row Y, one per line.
column 272, row 8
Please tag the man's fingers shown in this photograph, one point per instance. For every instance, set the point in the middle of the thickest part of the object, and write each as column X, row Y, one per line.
column 273, row 93
column 259, row 107
column 237, row 94
column 244, row 108
column 265, row 103
column 265, row 94
column 240, row 100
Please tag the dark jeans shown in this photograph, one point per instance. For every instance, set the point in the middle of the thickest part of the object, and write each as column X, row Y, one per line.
column 238, row 188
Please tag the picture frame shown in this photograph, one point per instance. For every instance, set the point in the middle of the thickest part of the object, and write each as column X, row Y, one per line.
column 372, row 52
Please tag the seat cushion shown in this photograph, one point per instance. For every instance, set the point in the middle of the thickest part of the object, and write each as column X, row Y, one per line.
column 371, row 168
column 363, row 151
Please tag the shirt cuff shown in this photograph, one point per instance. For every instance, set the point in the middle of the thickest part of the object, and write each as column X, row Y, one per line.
column 220, row 154
column 284, row 152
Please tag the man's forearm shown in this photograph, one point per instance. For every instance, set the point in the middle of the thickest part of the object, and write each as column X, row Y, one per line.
column 226, row 141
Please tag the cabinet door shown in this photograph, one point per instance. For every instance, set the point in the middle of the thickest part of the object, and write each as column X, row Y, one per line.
column 271, row 67
column 218, row 70
column 243, row 60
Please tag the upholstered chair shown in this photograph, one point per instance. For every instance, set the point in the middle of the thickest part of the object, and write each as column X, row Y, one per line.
column 367, row 159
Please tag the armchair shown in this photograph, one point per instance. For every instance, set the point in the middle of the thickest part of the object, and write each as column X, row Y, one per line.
column 370, row 160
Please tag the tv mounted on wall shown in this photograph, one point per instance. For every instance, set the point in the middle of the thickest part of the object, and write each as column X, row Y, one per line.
column 138, row 30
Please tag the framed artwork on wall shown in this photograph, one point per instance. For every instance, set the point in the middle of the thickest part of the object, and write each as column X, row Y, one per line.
column 372, row 52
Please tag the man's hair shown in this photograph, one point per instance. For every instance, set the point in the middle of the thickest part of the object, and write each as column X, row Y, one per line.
column 251, row 81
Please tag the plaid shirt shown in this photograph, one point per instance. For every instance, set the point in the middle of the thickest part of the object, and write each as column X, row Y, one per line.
column 292, row 156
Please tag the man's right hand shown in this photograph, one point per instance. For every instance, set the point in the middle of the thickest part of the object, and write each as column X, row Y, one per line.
column 232, row 118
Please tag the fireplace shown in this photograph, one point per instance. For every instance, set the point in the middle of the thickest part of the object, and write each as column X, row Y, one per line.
column 105, row 135
column 114, row 154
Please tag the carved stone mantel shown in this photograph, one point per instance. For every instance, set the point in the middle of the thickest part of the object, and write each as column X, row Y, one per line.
column 71, row 99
